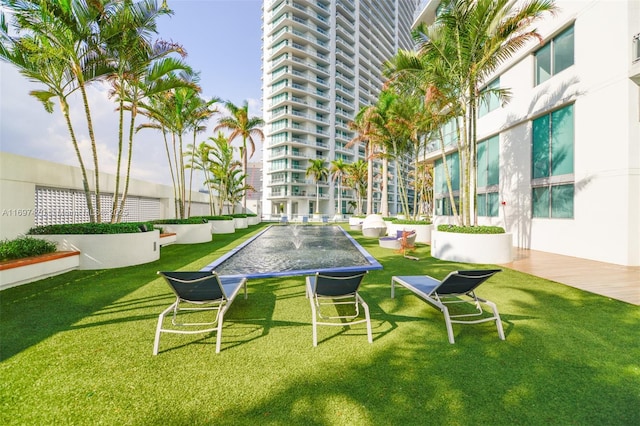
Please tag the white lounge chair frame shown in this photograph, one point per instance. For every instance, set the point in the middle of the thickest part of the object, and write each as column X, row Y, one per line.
column 320, row 295
column 219, row 301
column 457, row 287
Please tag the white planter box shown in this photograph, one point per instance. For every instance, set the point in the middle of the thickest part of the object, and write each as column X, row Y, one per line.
column 105, row 251
column 193, row 233
column 167, row 239
column 423, row 232
column 222, row 226
column 24, row 271
column 472, row 248
column 240, row 222
column 356, row 220
column 253, row 220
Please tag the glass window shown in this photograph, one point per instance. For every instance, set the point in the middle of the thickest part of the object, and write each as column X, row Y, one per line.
column 562, row 201
column 488, row 204
column 562, row 141
column 488, row 162
column 543, row 64
column 555, row 56
column 552, row 147
column 540, row 200
column 552, row 161
column 563, row 51
column 540, row 151
column 489, row 100
column 493, row 204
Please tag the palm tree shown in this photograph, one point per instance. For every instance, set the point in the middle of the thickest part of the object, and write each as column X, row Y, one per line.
column 357, row 178
column 221, row 167
column 68, row 34
column 367, row 132
column 413, row 76
column 199, row 112
column 200, row 160
column 465, row 45
column 241, row 125
column 39, row 61
column 319, row 172
column 338, row 169
column 141, row 69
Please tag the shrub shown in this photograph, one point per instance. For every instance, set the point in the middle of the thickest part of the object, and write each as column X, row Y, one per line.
column 410, row 222
column 190, row 221
column 25, row 247
column 239, row 215
column 223, row 217
column 471, row 229
column 92, row 228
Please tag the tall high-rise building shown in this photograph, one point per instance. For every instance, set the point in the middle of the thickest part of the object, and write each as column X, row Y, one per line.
column 322, row 61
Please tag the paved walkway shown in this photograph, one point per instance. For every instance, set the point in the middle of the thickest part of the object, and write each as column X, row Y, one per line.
column 607, row 279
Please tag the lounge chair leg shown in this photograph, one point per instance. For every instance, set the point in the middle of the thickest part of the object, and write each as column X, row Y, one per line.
column 496, row 315
column 447, row 321
column 366, row 315
column 219, row 332
column 315, row 334
column 156, row 342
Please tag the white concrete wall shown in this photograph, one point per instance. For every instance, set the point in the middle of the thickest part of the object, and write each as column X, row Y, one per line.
column 606, row 223
column 20, row 175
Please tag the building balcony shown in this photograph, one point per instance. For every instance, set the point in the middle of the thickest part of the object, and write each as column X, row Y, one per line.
column 426, row 12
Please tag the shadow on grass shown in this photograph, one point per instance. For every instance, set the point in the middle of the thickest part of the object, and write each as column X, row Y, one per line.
column 31, row 313
column 570, row 357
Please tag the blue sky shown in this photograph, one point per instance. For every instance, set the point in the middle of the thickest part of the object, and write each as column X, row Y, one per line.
column 223, row 42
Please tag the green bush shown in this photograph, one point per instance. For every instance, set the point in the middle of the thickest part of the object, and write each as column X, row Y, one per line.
column 92, row 228
column 239, row 215
column 25, row 247
column 252, row 215
column 471, row 229
column 223, row 217
column 190, row 221
column 410, row 222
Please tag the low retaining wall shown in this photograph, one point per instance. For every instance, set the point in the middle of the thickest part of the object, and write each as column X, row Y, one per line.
column 22, row 271
column 106, row 251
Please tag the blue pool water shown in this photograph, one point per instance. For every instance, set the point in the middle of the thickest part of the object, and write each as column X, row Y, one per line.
column 295, row 250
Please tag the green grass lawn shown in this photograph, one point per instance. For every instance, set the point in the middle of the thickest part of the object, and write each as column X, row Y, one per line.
column 77, row 349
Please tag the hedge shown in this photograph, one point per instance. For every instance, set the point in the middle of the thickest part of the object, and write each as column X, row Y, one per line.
column 471, row 229
column 25, row 247
column 92, row 228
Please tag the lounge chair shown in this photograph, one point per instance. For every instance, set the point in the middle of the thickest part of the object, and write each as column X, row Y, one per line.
column 402, row 239
column 338, row 289
column 457, row 287
column 198, row 291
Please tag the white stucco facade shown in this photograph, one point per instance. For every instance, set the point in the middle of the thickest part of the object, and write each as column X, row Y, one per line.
column 603, row 87
column 20, row 177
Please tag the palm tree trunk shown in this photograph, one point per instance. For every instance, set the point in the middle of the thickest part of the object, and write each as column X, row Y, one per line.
column 370, row 179
column 94, row 151
column 340, row 196
column 181, row 177
column 114, row 204
column 384, row 208
column 193, row 153
column 447, row 176
column 85, row 181
column 127, row 176
column 244, row 173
